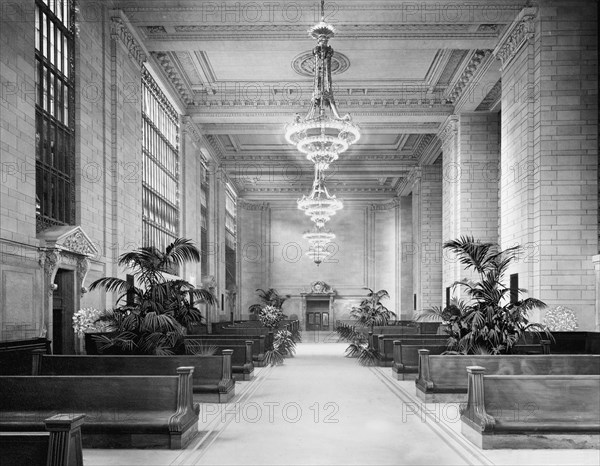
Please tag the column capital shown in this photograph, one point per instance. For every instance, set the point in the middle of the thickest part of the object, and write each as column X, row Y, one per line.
column 449, row 129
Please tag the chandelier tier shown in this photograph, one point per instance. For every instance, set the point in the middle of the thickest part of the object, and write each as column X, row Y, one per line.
column 319, row 204
column 322, row 134
column 318, row 236
column 318, row 254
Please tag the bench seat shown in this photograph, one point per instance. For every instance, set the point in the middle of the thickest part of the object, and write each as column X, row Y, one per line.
column 531, row 411
column 122, row 411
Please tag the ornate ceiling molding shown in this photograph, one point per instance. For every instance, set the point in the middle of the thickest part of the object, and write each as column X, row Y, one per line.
column 175, row 75
column 121, row 33
column 253, row 206
column 304, row 64
column 390, row 205
column 517, row 34
column 456, row 91
column 216, row 145
column 297, row 31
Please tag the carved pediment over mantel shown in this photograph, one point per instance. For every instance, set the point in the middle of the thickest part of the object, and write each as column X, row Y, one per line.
column 68, row 238
column 320, row 288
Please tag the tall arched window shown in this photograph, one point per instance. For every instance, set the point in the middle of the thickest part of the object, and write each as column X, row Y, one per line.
column 160, row 182
column 54, row 116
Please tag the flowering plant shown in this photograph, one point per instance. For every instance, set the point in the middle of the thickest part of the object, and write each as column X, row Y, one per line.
column 87, row 320
column 270, row 316
column 561, row 319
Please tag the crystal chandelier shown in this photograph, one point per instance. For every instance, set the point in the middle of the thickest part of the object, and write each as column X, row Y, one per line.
column 317, row 253
column 322, row 134
column 318, row 236
column 319, row 204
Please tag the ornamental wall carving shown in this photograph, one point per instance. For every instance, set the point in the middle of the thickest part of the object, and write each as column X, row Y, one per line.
column 517, row 35
column 120, row 32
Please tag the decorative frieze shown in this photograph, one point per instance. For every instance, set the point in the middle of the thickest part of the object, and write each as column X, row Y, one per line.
column 120, row 32
column 519, row 33
column 247, row 205
column 167, row 62
column 478, row 57
column 386, row 205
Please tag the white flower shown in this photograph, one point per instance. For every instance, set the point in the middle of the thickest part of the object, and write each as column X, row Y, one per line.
column 86, row 320
column 561, row 319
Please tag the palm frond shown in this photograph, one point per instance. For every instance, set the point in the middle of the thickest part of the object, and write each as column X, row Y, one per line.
column 368, row 356
column 113, row 285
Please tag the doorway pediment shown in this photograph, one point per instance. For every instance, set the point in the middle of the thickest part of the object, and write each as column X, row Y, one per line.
column 68, row 238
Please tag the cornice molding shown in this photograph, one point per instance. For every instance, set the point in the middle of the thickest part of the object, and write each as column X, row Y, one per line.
column 521, row 31
column 386, row 205
column 253, row 206
column 406, row 186
column 449, row 129
column 175, row 76
column 477, row 58
column 121, row 33
column 216, row 146
column 430, row 152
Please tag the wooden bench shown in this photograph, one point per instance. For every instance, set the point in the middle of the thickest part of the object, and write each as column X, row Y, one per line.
column 15, row 356
column 122, row 411
column 405, row 364
column 249, row 332
column 258, row 348
column 425, row 337
column 385, row 345
column 531, row 411
column 242, row 366
column 60, row 445
column 570, row 342
column 212, row 379
column 443, row 378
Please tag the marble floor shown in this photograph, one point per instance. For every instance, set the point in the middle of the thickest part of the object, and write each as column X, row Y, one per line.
column 322, row 408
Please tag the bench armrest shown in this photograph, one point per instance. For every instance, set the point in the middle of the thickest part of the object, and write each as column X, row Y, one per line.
column 184, row 415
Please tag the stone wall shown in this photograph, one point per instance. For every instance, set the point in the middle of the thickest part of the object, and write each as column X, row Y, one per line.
column 549, row 202
column 365, row 253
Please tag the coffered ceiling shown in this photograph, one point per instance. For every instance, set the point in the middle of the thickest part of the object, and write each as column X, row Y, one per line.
column 242, row 70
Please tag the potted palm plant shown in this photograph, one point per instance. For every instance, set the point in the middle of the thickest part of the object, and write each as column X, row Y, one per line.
column 487, row 322
column 270, row 297
column 369, row 313
column 151, row 318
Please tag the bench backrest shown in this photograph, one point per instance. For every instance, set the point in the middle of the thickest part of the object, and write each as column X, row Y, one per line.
column 538, row 398
column 258, row 346
column 385, row 345
column 15, row 356
column 421, row 337
column 449, row 371
column 241, row 351
column 207, row 369
column 570, row 342
column 408, row 354
column 93, row 394
column 389, row 330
